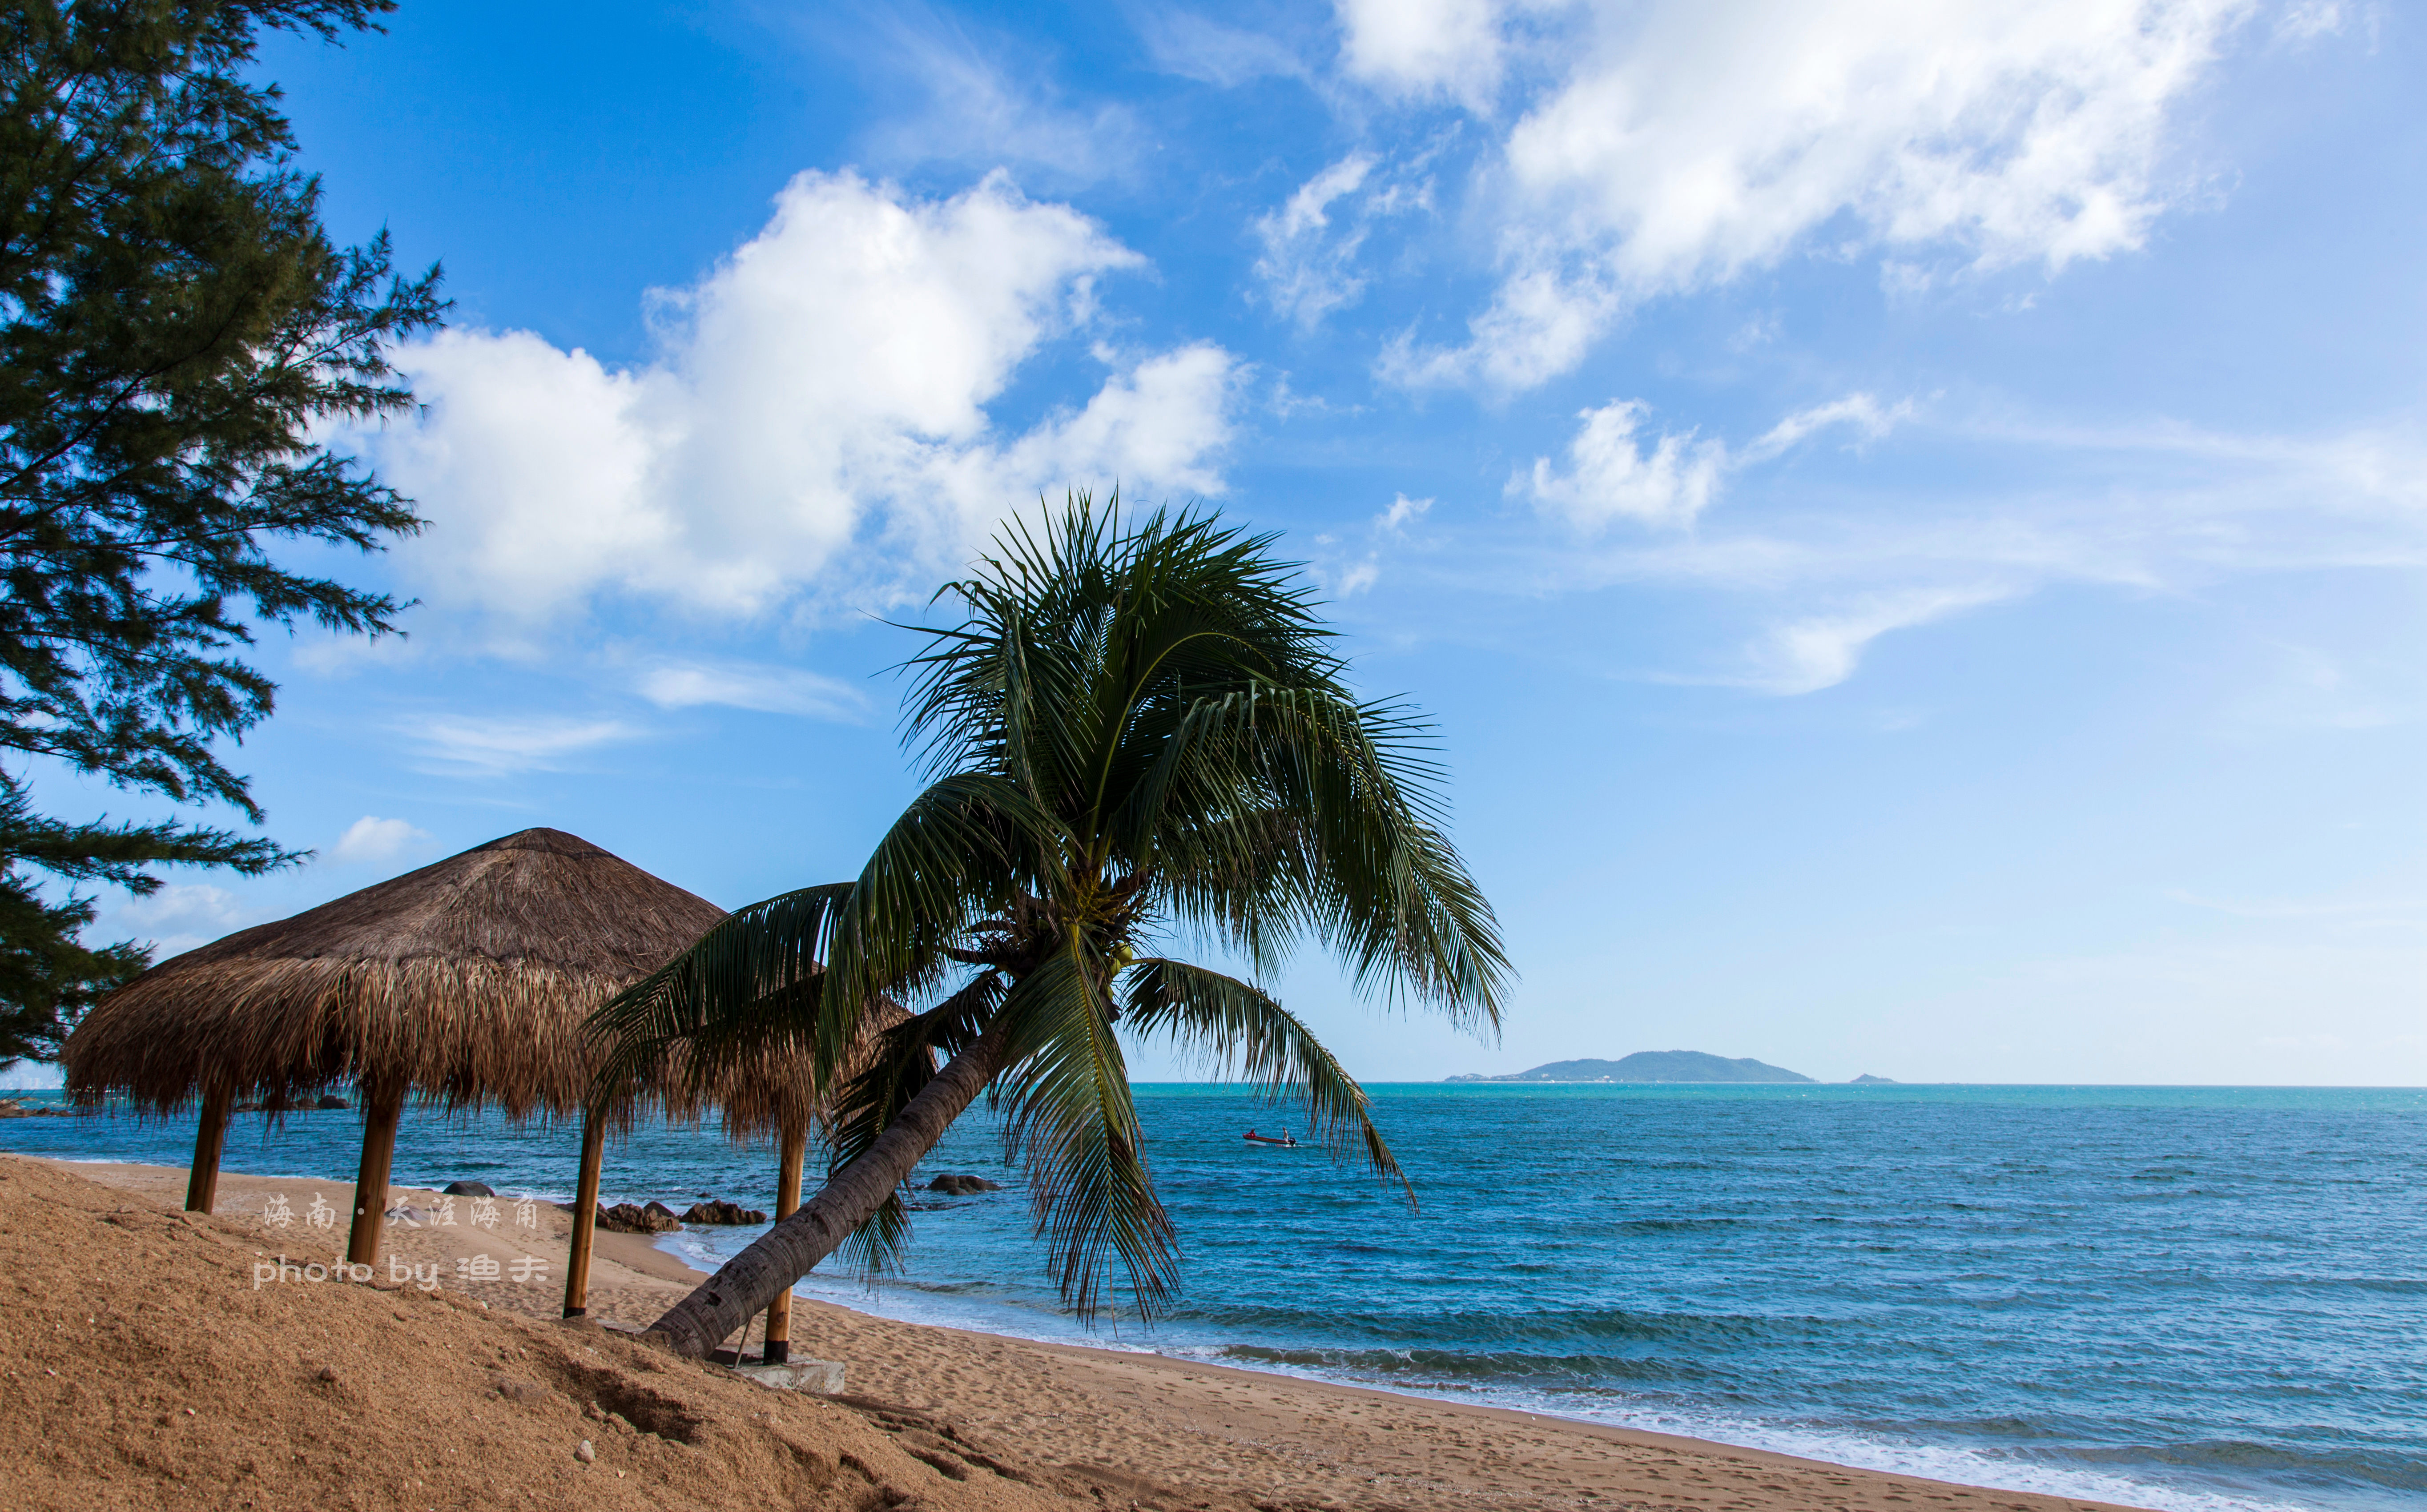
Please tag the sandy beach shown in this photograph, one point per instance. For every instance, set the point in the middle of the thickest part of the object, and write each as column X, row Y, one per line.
column 151, row 1365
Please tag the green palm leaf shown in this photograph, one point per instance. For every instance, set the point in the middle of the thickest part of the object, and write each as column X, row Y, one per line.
column 1247, row 1036
column 751, row 981
column 1067, row 1118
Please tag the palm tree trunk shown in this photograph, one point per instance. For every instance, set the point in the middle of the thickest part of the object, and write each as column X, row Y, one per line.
column 850, row 1196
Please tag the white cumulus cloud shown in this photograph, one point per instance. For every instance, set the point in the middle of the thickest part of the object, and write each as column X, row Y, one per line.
column 1673, row 145
column 814, row 426
column 1609, row 476
column 1423, row 46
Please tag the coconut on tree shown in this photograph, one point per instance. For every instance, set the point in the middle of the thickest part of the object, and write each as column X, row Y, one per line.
column 1139, row 733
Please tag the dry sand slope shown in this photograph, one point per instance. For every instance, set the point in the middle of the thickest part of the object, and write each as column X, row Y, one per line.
column 117, row 1314
column 144, row 1369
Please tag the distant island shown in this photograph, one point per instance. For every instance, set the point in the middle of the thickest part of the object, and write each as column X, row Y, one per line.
column 1867, row 1079
column 1651, row 1065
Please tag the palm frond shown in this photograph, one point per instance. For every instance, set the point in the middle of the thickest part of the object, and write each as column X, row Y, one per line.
column 961, row 851
column 746, row 986
column 1332, row 830
column 1069, row 1121
column 1244, row 1033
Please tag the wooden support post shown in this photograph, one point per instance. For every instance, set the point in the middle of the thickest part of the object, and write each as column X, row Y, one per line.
column 585, row 1215
column 778, row 1348
column 203, row 1181
column 383, row 1105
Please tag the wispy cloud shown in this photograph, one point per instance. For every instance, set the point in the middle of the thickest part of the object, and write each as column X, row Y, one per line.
column 181, row 916
column 1403, row 513
column 371, row 839
column 1820, row 651
column 1610, row 475
column 1192, row 46
column 1313, row 243
column 464, row 745
column 2153, row 508
column 1345, row 574
column 1860, row 413
column 767, row 689
column 1306, row 270
column 985, row 100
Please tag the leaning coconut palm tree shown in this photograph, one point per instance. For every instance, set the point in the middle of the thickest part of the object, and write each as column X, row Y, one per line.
column 1135, row 734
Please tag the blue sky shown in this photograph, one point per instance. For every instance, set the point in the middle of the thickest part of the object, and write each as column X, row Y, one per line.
column 1910, row 518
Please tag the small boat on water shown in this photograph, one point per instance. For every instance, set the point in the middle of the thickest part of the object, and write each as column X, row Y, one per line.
column 1283, row 1140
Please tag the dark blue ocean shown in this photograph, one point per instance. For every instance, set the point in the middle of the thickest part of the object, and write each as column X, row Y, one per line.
column 2174, row 1297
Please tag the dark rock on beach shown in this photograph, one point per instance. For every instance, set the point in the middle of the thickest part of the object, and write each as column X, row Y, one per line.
column 625, row 1218
column 468, row 1189
column 963, row 1186
column 722, row 1213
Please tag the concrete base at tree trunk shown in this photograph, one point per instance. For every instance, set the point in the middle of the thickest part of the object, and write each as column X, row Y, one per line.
column 822, row 1375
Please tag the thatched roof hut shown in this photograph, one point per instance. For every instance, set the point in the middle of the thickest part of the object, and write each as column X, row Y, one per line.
column 465, row 981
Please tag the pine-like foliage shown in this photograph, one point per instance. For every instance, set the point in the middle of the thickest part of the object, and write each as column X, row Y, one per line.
column 177, row 328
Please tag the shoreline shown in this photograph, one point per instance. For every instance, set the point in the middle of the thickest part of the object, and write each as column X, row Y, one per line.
column 1216, row 1430
column 1467, row 1401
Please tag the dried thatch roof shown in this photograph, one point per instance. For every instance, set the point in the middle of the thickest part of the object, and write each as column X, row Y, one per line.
column 759, row 1093
column 469, row 979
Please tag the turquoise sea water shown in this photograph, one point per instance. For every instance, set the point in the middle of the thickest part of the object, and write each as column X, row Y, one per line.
column 2177, row 1297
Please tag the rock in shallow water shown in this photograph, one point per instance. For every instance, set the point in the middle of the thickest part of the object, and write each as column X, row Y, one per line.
column 625, row 1218
column 962, row 1186
column 722, row 1213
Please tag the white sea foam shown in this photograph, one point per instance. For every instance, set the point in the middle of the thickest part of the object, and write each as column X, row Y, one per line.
column 1940, row 1462
column 915, row 1304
